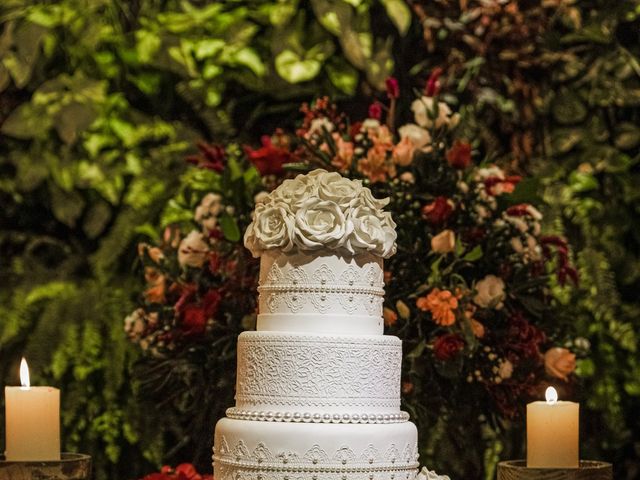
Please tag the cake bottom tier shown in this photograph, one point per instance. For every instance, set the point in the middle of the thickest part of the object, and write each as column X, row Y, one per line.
column 252, row 450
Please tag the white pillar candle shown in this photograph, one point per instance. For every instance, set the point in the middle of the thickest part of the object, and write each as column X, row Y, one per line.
column 32, row 421
column 552, row 433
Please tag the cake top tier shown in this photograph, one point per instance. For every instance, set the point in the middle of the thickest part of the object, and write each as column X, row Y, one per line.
column 322, row 210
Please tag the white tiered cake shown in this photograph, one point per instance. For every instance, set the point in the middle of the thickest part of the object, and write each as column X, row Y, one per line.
column 318, row 384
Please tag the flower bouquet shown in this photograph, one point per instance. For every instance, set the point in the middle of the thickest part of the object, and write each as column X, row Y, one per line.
column 468, row 289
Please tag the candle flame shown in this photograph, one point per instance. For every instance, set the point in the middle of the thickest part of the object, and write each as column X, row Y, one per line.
column 24, row 374
column 551, row 395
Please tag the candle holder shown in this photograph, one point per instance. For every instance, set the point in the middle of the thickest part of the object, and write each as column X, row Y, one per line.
column 71, row 466
column 588, row 470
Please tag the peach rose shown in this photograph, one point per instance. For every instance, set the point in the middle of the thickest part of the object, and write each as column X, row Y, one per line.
column 444, row 242
column 559, row 363
column 403, row 152
column 477, row 328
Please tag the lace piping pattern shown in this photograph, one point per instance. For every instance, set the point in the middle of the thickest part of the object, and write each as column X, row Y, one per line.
column 352, row 290
column 309, row 371
column 232, row 463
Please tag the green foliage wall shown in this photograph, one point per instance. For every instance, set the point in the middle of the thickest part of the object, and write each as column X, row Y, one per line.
column 99, row 103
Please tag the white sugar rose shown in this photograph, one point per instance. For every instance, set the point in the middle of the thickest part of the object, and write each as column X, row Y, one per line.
column 294, row 192
column 390, row 236
column 193, row 250
column 418, row 136
column 490, row 292
column 367, row 199
column 368, row 231
column 273, row 227
column 320, row 224
column 426, row 474
column 335, row 188
column 424, row 110
column 261, row 197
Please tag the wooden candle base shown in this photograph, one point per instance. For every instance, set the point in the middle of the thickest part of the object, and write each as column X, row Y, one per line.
column 588, row 470
column 71, row 466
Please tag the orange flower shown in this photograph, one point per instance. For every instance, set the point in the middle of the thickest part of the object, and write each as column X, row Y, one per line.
column 477, row 328
column 157, row 286
column 375, row 165
column 390, row 317
column 441, row 304
column 344, row 156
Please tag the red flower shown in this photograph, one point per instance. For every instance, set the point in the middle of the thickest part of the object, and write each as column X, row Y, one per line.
column 447, row 346
column 498, row 186
column 524, row 339
column 193, row 316
column 355, row 129
column 393, row 89
column 211, row 157
column 433, row 83
column 184, row 471
column 459, row 156
column 268, row 159
column 375, row 110
column 438, row 211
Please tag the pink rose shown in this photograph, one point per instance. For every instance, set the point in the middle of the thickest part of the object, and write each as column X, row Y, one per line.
column 559, row 363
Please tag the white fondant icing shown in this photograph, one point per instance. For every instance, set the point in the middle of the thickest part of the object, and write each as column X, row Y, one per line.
column 326, row 374
column 321, row 293
column 260, row 450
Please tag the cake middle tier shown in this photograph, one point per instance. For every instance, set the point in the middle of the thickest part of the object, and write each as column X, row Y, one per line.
column 283, row 373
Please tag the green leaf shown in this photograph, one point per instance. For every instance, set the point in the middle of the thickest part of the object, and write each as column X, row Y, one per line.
column 67, row 206
column 343, row 76
column 147, row 45
column 26, row 122
column 627, row 136
column 563, row 140
column 295, row 69
column 73, row 119
column 208, row 48
column 475, row 254
column 582, row 182
column 399, row 14
column 250, row 59
column 334, row 15
column 527, row 191
column 417, row 351
column 96, row 219
column 229, row 227
column 568, row 109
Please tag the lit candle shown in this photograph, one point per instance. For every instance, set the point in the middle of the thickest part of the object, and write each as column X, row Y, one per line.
column 32, row 421
column 552, row 433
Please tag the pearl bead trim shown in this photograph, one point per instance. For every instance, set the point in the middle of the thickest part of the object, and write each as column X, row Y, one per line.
column 307, row 417
column 322, row 289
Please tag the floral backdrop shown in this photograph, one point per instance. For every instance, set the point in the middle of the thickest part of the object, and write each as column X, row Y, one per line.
column 136, row 135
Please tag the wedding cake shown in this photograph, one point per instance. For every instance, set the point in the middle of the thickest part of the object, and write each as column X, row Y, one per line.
column 318, row 384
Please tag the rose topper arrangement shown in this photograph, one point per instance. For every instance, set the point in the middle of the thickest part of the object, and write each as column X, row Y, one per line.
column 322, row 210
